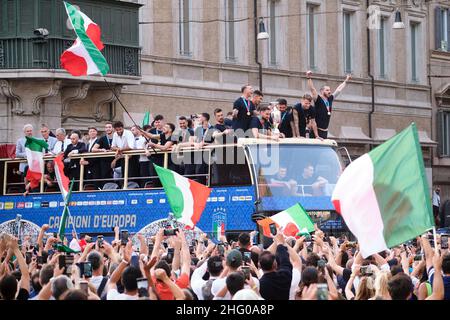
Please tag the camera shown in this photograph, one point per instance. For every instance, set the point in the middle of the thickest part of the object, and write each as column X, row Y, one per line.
column 41, row 32
column 28, row 256
column 150, row 248
column 170, row 232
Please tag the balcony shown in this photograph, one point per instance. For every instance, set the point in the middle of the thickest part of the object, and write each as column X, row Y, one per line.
column 23, row 53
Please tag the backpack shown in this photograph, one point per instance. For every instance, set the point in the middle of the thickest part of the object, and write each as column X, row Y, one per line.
column 206, row 290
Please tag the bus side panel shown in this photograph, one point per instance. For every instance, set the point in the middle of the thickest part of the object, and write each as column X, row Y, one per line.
column 99, row 212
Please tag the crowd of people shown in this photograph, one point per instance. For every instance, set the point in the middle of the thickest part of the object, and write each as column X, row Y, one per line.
column 249, row 118
column 166, row 266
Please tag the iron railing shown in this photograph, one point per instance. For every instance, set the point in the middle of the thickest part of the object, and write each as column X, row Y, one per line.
column 35, row 53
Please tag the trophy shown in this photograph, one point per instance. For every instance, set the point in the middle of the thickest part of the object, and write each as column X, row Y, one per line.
column 276, row 117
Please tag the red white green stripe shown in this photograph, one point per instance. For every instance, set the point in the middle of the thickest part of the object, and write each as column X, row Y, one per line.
column 63, row 180
column 84, row 57
column 34, row 151
column 292, row 221
column 187, row 198
column 383, row 195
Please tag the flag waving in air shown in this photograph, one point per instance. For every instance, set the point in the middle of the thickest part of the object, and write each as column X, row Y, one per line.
column 63, row 180
column 383, row 195
column 84, row 56
column 187, row 198
column 291, row 221
column 34, row 150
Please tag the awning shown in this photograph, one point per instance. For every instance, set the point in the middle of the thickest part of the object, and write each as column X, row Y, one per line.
column 353, row 134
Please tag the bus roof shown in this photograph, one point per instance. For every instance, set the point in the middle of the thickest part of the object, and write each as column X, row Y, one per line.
column 297, row 141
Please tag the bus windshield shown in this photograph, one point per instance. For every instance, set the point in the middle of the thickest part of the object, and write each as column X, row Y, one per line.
column 290, row 174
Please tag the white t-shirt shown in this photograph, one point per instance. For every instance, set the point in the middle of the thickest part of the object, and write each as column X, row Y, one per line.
column 113, row 294
column 126, row 140
column 218, row 285
column 96, row 281
column 140, row 144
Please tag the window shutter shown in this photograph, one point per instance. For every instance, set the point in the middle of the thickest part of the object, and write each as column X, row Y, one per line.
column 438, row 27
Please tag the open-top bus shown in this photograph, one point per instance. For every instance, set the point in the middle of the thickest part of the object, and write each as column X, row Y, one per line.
column 249, row 179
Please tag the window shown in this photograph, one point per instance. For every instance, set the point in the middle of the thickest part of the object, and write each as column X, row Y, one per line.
column 444, row 130
column 230, row 7
column 272, row 33
column 311, row 35
column 414, row 27
column 382, row 36
column 442, row 29
column 185, row 27
column 348, row 42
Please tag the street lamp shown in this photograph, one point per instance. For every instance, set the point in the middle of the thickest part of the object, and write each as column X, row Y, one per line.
column 262, row 35
column 259, row 36
column 398, row 23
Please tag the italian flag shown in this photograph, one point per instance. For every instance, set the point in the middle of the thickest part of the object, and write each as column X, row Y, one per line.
column 84, row 56
column 293, row 221
column 187, row 198
column 63, row 180
column 383, row 196
column 34, row 151
column 218, row 230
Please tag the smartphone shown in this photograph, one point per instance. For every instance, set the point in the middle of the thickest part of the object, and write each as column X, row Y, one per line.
column 322, row 291
column 100, row 241
column 170, row 232
column 55, row 235
column 142, row 283
column 124, row 237
column 444, row 242
column 150, row 248
column 205, row 243
column 170, row 252
column 40, row 260
column 321, row 264
column 165, row 245
column 246, row 271
column 418, row 257
column 191, row 249
column 84, row 286
column 62, row 261
column 273, row 228
column 247, row 256
column 85, row 269
column 134, row 261
column 221, row 249
column 28, row 256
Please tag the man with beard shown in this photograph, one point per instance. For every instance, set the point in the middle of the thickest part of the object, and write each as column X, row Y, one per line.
column 323, row 103
column 104, row 145
column 303, row 118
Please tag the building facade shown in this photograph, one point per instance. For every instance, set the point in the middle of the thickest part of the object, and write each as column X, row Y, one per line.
column 196, row 54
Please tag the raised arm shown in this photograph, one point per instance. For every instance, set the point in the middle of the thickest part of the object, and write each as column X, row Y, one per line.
column 438, row 281
column 311, row 85
column 25, row 275
column 341, row 87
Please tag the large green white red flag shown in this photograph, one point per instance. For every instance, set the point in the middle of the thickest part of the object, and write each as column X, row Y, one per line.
column 84, row 56
column 34, row 150
column 383, row 196
column 187, row 198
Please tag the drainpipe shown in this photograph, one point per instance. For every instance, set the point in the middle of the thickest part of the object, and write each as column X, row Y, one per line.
column 255, row 21
column 369, row 72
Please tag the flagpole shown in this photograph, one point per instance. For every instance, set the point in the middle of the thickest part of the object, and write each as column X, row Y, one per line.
column 435, row 240
column 66, row 207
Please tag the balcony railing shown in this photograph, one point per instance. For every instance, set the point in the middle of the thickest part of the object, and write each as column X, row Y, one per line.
column 21, row 53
